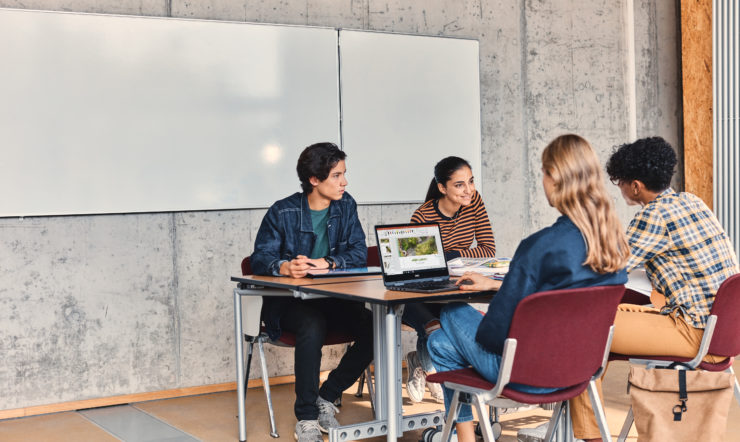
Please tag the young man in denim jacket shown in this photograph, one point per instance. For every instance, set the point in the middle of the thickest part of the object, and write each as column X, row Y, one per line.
column 316, row 229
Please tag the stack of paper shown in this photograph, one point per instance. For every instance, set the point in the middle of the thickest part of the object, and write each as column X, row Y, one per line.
column 639, row 282
column 493, row 267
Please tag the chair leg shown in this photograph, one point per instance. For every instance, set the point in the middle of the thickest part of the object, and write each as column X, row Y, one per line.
column 370, row 387
column 555, row 420
column 626, row 426
column 568, row 425
column 485, row 424
column 250, row 349
column 266, row 384
column 737, row 385
column 360, row 385
column 451, row 416
column 593, row 393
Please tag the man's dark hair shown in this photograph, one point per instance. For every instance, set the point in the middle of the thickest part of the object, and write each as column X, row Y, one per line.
column 650, row 160
column 317, row 160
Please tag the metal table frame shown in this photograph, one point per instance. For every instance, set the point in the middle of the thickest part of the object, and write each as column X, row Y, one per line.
column 387, row 354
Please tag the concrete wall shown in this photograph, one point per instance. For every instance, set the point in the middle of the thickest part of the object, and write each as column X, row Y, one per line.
column 95, row 306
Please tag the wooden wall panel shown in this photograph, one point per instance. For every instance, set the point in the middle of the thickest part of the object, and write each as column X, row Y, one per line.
column 696, row 66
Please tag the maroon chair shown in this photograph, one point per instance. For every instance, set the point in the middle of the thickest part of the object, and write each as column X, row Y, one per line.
column 288, row 339
column 373, row 258
column 721, row 338
column 557, row 339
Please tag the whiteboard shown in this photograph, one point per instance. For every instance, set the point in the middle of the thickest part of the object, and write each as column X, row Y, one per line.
column 119, row 114
column 407, row 102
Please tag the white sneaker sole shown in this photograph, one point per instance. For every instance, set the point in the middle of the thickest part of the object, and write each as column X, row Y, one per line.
column 295, row 436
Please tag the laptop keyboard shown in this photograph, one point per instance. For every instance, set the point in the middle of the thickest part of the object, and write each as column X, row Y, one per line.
column 425, row 285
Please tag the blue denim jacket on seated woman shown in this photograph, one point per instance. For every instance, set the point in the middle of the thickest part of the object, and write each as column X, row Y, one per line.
column 286, row 232
column 551, row 259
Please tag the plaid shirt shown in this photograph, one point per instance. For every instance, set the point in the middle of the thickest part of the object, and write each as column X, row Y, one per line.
column 686, row 253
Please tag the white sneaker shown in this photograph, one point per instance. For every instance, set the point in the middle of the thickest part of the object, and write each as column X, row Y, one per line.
column 326, row 414
column 417, row 379
column 436, row 390
column 536, row 434
column 437, row 436
column 308, row 431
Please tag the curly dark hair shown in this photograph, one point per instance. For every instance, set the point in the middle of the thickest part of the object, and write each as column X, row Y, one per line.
column 317, row 160
column 650, row 160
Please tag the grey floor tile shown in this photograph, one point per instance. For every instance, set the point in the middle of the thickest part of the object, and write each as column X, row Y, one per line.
column 132, row 425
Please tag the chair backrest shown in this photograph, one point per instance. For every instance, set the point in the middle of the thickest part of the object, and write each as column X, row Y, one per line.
column 726, row 306
column 562, row 334
column 246, row 267
column 373, row 259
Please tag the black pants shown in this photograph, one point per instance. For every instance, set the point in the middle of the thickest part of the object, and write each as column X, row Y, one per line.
column 310, row 321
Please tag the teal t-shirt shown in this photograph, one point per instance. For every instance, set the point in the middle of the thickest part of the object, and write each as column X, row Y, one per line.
column 319, row 219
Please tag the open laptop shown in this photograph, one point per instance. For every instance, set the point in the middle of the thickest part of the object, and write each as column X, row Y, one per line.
column 412, row 258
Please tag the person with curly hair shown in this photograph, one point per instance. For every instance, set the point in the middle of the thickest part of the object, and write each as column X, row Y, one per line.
column 686, row 253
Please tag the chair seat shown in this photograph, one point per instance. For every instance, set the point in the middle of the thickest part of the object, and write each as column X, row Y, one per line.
column 287, row 339
column 471, row 378
column 708, row 366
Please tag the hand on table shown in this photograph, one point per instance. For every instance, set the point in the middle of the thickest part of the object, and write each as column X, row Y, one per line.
column 300, row 265
column 476, row 281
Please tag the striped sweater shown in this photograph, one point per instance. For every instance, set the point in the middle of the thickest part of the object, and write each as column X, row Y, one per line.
column 470, row 222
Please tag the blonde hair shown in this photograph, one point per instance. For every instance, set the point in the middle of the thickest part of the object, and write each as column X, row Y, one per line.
column 579, row 193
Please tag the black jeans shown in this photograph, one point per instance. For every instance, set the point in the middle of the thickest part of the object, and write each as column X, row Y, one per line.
column 310, row 321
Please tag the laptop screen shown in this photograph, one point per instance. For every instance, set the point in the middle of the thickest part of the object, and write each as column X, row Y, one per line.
column 411, row 251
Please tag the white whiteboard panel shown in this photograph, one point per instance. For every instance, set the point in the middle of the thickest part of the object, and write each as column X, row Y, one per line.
column 407, row 102
column 115, row 114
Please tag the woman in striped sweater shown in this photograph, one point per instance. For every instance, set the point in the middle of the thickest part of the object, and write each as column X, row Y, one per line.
column 458, row 208
column 453, row 202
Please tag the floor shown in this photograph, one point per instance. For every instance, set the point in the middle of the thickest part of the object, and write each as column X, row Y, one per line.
column 212, row 417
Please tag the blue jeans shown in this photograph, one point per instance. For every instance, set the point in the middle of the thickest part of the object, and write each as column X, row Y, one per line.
column 454, row 346
column 418, row 316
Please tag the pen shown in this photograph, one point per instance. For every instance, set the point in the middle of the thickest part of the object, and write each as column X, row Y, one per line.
column 311, row 264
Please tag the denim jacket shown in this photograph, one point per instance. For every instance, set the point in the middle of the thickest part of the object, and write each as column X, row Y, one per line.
column 550, row 259
column 286, row 232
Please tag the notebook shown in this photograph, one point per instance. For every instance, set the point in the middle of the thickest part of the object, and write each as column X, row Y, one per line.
column 352, row 271
column 412, row 258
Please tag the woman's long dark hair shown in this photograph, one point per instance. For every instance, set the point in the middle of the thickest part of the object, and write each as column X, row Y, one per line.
column 442, row 173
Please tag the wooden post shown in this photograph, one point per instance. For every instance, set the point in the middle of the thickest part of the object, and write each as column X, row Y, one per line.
column 696, row 68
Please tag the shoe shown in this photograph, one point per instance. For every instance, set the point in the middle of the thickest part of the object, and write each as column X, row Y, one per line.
column 434, row 435
column 326, row 414
column 436, row 390
column 417, row 379
column 308, row 431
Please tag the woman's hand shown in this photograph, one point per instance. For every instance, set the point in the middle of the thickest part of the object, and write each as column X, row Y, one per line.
column 476, row 281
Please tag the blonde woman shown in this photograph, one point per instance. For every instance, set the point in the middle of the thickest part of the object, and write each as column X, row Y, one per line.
column 585, row 247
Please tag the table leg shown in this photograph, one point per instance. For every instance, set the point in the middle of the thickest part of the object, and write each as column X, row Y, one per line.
column 394, row 410
column 240, row 387
column 379, row 355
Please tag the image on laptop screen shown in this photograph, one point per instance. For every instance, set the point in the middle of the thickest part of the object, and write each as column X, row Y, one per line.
column 410, row 248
